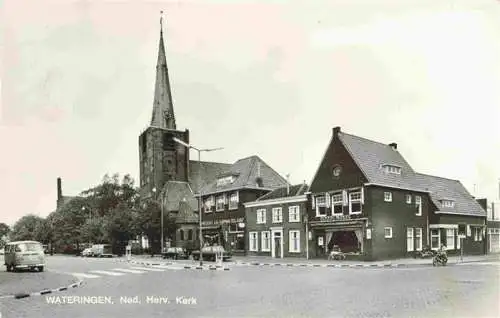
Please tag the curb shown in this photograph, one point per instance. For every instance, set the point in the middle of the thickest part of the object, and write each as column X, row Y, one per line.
column 187, row 267
column 43, row 292
column 327, row 265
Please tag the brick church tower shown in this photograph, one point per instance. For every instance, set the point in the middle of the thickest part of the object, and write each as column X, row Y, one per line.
column 161, row 159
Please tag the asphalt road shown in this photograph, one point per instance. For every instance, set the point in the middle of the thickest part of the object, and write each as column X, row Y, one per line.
column 467, row 290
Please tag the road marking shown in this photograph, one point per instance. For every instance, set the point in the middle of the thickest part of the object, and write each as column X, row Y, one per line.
column 108, row 273
column 148, row 269
column 133, row 271
column 83, row 275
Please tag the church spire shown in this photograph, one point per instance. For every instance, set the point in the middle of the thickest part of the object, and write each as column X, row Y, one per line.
column 163, row 108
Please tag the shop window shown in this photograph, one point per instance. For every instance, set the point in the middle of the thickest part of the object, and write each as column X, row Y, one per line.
column 435, row 238
column 450, row 239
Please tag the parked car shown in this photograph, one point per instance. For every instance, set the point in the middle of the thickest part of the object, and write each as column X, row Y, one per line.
column 209, row 253
column 102, row 250
column 24, row 254
column 175, row 253
column 87, row 252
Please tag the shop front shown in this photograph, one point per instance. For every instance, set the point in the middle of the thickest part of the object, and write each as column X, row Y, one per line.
column 229, row 233
column 338, row 233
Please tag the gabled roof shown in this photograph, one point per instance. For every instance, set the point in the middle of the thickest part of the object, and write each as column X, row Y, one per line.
column 175, row 192
column 370, row 156
column 448, row 189
column 295, row 190
column 206, row 172
column 246, row 172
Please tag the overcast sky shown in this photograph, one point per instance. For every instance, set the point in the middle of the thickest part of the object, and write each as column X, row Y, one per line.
column 272, row 80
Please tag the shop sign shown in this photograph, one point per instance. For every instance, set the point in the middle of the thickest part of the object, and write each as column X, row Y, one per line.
column 224, row 221
column 333, row 218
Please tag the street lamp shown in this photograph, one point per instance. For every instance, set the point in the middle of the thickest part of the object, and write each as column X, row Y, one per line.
column 161, row 221
column 200, row 236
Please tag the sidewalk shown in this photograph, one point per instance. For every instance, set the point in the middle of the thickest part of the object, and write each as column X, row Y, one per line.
column 263, row 260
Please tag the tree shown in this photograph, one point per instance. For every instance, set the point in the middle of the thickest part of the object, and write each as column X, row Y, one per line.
column 4, row 234
column 26, row 228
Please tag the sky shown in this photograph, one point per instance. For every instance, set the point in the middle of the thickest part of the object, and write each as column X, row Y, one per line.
column 266, row 78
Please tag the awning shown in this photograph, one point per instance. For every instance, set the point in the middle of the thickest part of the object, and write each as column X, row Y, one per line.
column 211, row 227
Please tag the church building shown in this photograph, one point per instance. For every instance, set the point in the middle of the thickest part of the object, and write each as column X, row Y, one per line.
column 169, row 176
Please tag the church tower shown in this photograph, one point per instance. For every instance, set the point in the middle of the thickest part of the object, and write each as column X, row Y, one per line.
column 161, row 158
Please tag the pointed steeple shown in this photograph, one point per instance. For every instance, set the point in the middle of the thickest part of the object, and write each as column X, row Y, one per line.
column 163, row 108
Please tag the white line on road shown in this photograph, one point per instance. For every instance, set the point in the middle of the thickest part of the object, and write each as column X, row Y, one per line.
column 83, row 275
column 148, row 269
column 126, row 270
column 108, row 273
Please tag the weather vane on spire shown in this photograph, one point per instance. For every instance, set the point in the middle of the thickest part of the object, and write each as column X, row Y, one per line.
column 161, row 20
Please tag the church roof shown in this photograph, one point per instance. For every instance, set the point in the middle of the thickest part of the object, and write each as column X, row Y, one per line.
column 175, row 192
column 163, row 107
column 186, row 214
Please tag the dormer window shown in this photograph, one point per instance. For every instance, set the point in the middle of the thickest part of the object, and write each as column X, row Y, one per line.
column 391, row 169
column 225, row 181
column 447, row 203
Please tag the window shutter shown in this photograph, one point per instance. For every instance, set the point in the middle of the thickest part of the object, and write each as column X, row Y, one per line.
column 327, row 200
column 238, row 196
column 362, row 195
column 313, row 202
column 345, row 200
column 225, row 198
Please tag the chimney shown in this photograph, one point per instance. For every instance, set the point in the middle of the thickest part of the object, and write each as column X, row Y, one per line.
column 59, row 189
column 493, row 211
column 336, row 131
column 394, row 146
column 288, row 184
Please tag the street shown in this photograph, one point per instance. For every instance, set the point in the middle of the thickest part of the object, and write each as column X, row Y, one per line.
column 131, row 290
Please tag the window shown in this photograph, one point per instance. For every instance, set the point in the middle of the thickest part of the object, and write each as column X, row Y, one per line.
column 408, row 198
column 253, row 241
column 293, row 214
column 294, row 244
column 190, row 235
column 409, row 240
column 418, row 239
column 277, row 215
column 392, row 169
column 233, row 200
column 447, row 204
column 233, row 228
column 435, row 238
column 181, row 234
column 450, row 239
column 266, row 241
column 220, row 203
column 320, row 206
column 388, row 196
column 337, row 204
column 355, row 203
column 478, row 236
column 418, row 203
column 209, row 202
column 388, row 232
column 261, row 216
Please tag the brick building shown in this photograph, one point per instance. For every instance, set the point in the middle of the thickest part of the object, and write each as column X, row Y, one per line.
column 275, row 224
column 366, row 199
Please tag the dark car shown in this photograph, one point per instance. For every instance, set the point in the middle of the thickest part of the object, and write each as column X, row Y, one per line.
column 210, row 253
column 175, row 253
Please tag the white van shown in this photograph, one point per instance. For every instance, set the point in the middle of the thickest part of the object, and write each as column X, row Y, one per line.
column 102, row 250
column 24, row 254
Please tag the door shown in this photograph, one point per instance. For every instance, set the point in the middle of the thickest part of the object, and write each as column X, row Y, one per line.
column 277, row 244
column 277, row 247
